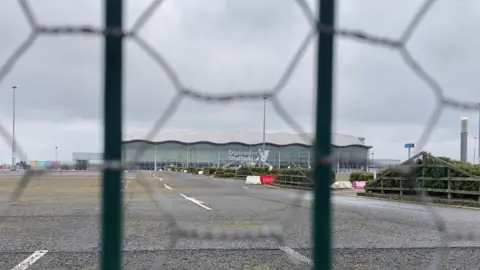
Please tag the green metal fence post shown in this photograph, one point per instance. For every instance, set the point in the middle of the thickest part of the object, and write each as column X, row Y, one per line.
column 112, row 221
column 322, row 249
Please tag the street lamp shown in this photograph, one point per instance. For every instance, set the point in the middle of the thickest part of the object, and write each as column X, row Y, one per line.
column 479, row 130
column 372, row 160
column 338, row 159
column 155, row 157
column 13, row 127
column 264, row 117
column 474, row 145
column 56, row 149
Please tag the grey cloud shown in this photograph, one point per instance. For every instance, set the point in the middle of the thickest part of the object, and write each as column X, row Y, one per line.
column 226, row 46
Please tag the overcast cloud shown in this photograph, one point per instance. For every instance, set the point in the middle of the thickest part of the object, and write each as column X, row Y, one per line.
column 231, row 45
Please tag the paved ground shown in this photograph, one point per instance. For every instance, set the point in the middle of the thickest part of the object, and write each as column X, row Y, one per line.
column 57, row 220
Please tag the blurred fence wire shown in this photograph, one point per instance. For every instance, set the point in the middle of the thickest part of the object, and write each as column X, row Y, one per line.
column 321, row 28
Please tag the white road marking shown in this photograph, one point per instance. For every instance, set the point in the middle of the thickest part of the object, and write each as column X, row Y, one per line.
column 167, row 186
column 245, row 187
column 295, row 255
column 30, row 260
column 159, row 178
column 195, row 201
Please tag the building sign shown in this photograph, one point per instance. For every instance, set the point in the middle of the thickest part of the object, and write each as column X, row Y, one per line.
column 248, row 155
column 409, row 145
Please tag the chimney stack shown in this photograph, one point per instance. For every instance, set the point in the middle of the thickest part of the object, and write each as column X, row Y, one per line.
column 463, row 139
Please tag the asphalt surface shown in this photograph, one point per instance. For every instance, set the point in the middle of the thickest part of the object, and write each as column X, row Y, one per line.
column 57, row 220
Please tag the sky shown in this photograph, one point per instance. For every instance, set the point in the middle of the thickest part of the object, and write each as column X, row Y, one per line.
column 231, row 46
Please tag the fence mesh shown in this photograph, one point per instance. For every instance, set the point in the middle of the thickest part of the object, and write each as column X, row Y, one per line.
column 113, row 167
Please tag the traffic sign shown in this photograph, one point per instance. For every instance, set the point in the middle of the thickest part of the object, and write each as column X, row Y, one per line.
column 409, row 145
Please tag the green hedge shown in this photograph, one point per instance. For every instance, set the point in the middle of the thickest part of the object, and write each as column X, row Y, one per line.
column 437, row 172
column 361, row 176
column 247, row 171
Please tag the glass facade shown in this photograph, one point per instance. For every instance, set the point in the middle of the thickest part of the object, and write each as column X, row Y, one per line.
column 175, row 154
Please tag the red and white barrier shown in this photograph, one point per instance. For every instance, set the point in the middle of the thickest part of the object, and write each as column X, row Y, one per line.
column 267, row 179
column 359, row 184
column 253, row 180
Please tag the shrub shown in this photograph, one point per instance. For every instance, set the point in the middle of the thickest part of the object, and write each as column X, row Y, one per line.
column 361, row 176
column 438, row 172
column 259, row 171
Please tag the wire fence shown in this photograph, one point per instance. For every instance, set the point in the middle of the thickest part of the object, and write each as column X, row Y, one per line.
column 322, row 28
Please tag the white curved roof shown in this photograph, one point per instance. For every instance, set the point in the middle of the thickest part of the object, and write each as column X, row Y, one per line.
column 249, row 137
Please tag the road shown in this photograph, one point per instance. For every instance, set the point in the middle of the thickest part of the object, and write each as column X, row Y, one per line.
column 62, row 232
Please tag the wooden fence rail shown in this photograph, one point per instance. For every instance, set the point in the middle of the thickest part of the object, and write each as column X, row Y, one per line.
column 432, row 176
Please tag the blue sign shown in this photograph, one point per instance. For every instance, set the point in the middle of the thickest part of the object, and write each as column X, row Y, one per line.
column 409, row 145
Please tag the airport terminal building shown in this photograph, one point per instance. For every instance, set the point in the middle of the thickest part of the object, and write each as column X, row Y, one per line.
column 218, row 149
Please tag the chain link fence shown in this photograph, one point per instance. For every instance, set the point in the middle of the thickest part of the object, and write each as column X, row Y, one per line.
column 322, row 30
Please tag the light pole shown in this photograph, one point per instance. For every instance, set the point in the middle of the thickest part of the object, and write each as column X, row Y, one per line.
column 338, row 159
column 368, row 162
column 56, row 150
column 372, row 161
column 264, row 117
column 13, row 127
column 155, row 157
column 474, row 146
column 479, row 130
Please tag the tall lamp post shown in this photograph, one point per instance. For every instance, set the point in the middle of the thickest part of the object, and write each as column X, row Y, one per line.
column 479, row 130
column 155, row 157
column 56, row 150
column 372, row 161
column 13, row 127
column 264, row 117
column 474, row 154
